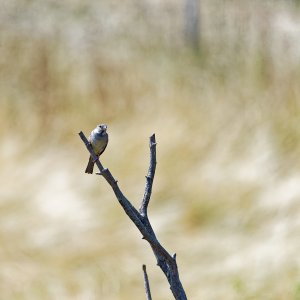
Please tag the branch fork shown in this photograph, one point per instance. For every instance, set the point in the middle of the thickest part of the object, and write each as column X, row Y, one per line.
column 165, row 261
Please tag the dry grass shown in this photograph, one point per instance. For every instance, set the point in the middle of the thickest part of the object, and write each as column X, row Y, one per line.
column 227, row 123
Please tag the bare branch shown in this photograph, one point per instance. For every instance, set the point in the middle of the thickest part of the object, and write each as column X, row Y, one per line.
column 150, row 176
column 146, row 284
column 165, row 261
column 125, row 203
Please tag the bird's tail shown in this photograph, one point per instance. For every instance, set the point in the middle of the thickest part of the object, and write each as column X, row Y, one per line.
column 90, row 166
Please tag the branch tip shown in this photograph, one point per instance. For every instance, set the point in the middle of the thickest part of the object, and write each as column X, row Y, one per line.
column 149, row 176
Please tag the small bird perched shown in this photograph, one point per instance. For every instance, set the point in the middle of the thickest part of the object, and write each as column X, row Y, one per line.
column 99, row 140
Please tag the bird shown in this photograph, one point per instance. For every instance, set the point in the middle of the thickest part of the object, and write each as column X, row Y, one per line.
column 98, row 139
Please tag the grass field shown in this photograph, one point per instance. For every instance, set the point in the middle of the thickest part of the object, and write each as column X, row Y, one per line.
column 226, row 117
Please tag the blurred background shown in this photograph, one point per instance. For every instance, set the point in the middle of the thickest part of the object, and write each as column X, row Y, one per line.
column 217, row 81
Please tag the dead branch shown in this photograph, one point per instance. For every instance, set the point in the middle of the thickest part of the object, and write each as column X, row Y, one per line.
column 165, row 261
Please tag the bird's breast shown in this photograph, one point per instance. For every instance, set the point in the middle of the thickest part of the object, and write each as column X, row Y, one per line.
column 98, row 142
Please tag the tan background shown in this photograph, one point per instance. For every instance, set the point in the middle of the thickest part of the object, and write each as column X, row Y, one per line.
column 227, row 189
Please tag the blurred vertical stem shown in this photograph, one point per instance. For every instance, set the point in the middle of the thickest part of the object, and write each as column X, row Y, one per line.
column 192, row 23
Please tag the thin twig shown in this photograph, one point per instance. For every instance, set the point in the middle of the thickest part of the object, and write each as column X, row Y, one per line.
column 165, row 261
column 149, row 177
column 146, row 284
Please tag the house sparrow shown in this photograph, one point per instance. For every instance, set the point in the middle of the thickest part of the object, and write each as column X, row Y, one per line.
column 99, row 140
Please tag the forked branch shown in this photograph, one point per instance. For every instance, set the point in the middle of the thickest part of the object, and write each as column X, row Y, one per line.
column 165, row 261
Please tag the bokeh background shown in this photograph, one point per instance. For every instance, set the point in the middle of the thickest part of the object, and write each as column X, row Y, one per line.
column 219, row 85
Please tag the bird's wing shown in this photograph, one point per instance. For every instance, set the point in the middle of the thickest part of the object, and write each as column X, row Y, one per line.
column 103, row 149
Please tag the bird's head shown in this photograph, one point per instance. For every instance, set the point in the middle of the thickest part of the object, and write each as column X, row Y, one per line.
column 101, row 128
